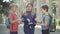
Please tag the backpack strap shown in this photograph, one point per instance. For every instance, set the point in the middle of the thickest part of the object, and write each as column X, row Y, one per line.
column 12, row 19
column 12, row 16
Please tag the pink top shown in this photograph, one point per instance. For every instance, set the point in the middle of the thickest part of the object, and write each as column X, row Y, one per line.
column 13, row 27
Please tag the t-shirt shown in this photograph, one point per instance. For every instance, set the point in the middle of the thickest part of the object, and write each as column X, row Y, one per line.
column 45, row 18
column 13, row 27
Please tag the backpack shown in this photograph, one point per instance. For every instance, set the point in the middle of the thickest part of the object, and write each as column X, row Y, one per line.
column 50, row 23
column 7, row 22
column 51, row 27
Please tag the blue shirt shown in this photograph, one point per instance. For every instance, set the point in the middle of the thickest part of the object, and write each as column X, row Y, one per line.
column 45, row 18
column 26, row 23
column 29, row 16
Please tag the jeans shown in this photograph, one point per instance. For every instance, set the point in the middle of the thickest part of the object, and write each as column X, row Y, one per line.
column 46, row 31
column 13, row 32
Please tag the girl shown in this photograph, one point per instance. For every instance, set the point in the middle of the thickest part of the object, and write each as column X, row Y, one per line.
column 13, row 19
column 28, row 18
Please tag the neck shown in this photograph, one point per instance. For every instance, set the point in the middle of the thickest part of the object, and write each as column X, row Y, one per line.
column 46, row 13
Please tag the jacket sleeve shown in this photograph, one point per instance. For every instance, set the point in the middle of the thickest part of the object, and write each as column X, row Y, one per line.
column 23, row 18
column 34, row 18
column 34, row 22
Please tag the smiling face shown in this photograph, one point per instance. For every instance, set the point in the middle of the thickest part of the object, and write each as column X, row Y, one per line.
column 43, row 11
column 29, row 7
column 13, row 8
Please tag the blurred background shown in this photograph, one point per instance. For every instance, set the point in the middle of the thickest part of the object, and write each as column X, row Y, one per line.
column 54, row 10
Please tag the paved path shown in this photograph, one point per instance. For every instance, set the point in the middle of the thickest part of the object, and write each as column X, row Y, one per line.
column 4, row 30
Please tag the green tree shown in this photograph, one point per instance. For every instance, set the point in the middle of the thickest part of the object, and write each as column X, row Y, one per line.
column 4, row 9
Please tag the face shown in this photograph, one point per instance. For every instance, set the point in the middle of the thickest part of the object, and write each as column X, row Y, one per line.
column 43, row 11
column 14, row 8
column 29, row 8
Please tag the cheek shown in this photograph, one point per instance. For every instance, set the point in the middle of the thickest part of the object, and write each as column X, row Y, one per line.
column 14, row 8
column 43, row 11
column 30, row 8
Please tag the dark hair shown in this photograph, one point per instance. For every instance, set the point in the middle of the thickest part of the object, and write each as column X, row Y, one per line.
column 45, row 7
column 29, row 4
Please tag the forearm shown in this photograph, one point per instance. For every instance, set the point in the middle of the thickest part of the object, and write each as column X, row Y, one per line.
column 43, row 24
column 13, row 21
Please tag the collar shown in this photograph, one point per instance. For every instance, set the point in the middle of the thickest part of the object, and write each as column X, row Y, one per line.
column 46, row 13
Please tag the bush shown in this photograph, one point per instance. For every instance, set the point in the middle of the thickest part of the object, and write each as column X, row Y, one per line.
column 59, row 23
column 1, row 20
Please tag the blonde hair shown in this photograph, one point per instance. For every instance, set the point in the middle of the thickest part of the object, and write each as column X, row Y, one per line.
column 25, row 11
column 12, row 5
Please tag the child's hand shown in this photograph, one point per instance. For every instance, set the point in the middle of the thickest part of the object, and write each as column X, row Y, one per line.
column 19, row 19
column 37, row 20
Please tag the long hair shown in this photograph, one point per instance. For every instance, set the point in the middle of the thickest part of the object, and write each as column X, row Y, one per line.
column 25, row 11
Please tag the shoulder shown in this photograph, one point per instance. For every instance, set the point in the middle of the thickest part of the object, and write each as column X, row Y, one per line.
column 47, row 17
column 34, row 14
column 9, row 15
